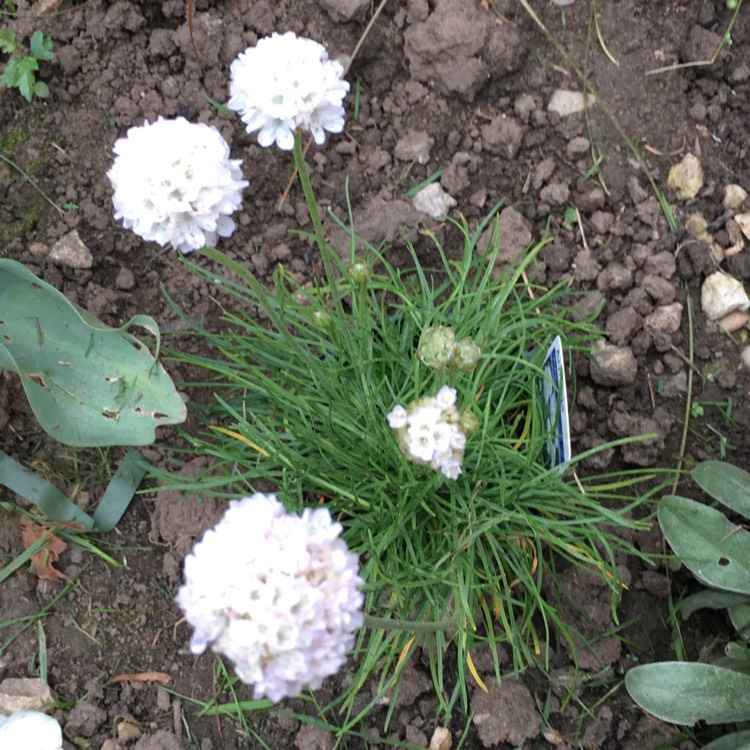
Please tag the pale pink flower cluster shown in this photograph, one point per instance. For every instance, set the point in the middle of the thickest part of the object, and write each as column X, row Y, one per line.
column 287, row 83
column 175, row 184
column 429, row 432
column 30, row 730
column 276, row 593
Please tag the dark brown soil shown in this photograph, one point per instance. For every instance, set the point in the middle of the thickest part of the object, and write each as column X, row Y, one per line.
column 453, row 85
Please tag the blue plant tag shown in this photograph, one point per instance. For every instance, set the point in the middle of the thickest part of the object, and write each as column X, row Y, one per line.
column 553, row 398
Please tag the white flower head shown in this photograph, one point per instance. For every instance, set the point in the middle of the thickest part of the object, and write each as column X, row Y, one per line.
column 30, row 730
column 287, row 83
column 175, row 184
column 429, row 432
column 276, row 593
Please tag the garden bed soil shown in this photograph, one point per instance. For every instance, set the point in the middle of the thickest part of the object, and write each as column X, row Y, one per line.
column 460, row 86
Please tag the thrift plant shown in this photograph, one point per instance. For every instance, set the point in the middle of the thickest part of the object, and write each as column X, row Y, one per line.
column 277, row 593
column 29, row 730
column 186, row 195
column 403, row 402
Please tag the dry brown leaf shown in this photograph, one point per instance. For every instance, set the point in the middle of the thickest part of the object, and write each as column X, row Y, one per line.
column 162, row 677
column 44, row 560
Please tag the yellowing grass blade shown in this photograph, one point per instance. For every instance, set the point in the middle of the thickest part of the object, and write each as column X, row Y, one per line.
column 241, row 438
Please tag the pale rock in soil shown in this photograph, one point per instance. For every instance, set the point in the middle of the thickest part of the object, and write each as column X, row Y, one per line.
column 506, row 713
column 666, row 318
column 743, row 220
column 441, row 739
column 734, row 321
column 310, row 737
column 70, row 251
column 745, row 357
column 346, row 10
column 566, row 103
column 612, row 365
column 722, row 294
column 414, row 145
column 686, row 178
column 734, row 197
column 433, row 200
column 556, row 193
column 24, row 694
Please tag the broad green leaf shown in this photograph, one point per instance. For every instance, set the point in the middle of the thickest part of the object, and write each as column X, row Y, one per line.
column 41, row 90
column 711, row 599
column 20, row 72
column 715, row 550
column 728, row 484
column 685, row 693
column 41, row 46
column 87, row 384
column 734, row 741
column 7, row 41
column 740, row 617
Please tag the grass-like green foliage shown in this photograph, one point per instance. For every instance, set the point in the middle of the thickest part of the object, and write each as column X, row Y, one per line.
column 20, row 70
column 303, row 379
column 717, row 551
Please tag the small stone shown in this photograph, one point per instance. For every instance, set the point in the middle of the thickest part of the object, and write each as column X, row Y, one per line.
column 745, row 357
column 441, row 739
column 666, row 318
column 565, row 102
column 512, row 232
column 722, row 294
column 505, row 713
column 578, row 146
column 69, row 251
column 556, row 193
column 24, row 694
column 686, row 178
column 602, row 221
column 612, row 365
column 734, row 197
column 433, row 200
column 743, row 220
column 414, row 146
column 734, row 321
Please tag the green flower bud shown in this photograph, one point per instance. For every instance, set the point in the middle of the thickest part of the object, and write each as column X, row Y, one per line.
column 360, row 272
column 467, row 355
column 468, row 422
column 322, row 319
column 437, row 346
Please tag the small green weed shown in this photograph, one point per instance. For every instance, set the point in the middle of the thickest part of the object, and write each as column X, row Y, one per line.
column 20, row 70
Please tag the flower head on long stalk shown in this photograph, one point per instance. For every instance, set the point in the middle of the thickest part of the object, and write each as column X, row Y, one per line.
column 287, row 83
column 275, row 592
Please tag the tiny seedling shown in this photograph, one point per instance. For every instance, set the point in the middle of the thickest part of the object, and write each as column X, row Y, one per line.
column 20, row 70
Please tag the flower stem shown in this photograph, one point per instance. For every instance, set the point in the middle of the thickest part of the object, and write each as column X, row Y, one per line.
column 425, row 626
column 312, row 205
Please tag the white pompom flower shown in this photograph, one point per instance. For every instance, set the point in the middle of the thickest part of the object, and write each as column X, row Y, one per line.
column 276, row 593
column 287, row 83
column 430, row 431
column 175, row 184
column 29, row 730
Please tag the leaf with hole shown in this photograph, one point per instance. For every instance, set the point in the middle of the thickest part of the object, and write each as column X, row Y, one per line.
column 715, row 550
column 87, row 384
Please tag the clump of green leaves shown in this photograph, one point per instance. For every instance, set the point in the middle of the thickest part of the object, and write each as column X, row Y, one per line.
column 20, row 70
column 716, row 549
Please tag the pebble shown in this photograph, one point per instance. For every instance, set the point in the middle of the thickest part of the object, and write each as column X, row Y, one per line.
column 686, row 178
column 743, row 221
column 722, row 294
column 565, row 102
column 734, row 197
column 612, row 365
column 734, row 321
column 666, row 318
column 70, row 251
column 433, row 200
column 414, row 146
column 745, row 357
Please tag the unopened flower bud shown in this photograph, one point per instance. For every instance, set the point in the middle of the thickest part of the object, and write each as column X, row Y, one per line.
column 466, row 355
column 437, row 346
column 322, row 319
column 468, row 421
column 360, row 272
